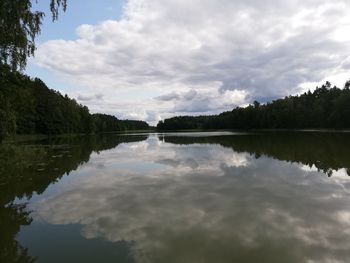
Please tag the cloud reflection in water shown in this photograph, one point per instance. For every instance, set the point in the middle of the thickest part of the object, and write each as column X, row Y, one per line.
column 206, row 203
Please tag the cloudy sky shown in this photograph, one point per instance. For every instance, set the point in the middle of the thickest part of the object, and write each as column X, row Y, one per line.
column 152, row 59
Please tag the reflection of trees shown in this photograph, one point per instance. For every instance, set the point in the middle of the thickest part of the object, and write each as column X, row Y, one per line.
column 12, row 217
column 327, row 151
column 28, row 168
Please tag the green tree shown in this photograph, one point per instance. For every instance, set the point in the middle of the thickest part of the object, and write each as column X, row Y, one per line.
column 7, row 118
column 326, row 107
column 19, row 26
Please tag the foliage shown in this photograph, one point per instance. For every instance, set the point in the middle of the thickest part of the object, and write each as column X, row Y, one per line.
column 135, row 125
column 19, row 26
column 327, row 107
column 28, row 106
column 108, row 123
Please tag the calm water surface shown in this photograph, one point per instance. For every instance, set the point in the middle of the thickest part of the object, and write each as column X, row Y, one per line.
column 177, row 197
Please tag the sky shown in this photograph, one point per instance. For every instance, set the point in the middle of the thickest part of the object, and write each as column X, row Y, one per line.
column 153, row 59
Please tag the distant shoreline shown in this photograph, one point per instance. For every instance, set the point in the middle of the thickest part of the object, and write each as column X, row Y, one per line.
column 259, row 130
column 31, row 137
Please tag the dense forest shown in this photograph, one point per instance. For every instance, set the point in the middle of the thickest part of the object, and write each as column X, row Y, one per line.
column 28, row 106
column 326, row 108
column 108, row 123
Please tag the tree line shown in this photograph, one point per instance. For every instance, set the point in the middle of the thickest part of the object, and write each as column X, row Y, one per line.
column 109, row 123
column 28, row 106
column 325, row 108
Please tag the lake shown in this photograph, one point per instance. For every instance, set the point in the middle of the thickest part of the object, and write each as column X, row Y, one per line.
column 177, row 197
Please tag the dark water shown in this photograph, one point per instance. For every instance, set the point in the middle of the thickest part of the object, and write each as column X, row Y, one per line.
column 200, row 197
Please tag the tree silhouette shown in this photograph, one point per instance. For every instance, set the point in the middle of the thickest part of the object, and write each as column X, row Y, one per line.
column 326, row 108
column 28, row 106
column 19, row 26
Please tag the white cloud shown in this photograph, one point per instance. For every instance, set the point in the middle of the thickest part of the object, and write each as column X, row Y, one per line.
column 262, row 49
column 87, row 98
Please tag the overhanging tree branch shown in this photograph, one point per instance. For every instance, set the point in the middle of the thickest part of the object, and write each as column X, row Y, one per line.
column 19, row 26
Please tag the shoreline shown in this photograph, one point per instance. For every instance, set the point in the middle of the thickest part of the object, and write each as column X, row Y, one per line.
column 30, row 137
